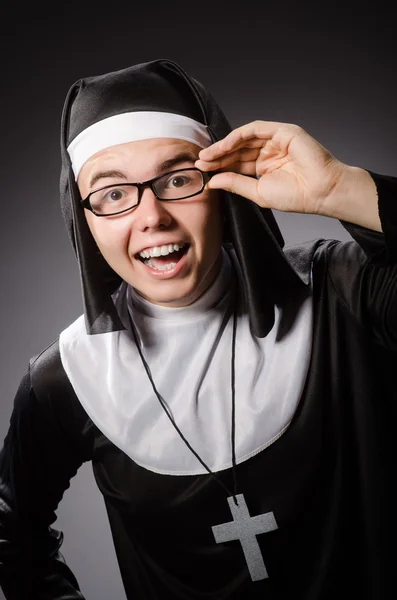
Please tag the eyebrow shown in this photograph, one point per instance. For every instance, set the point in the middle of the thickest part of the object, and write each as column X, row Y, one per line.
column 166, row 165
column 103, row 174
column 176, row 160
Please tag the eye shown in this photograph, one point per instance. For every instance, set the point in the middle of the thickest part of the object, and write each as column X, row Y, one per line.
column 178, row 184
column 178, row 181
column 114, row 198
column 114, row 195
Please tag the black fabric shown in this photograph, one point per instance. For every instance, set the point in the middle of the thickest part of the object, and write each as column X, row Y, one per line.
column 373, row 242
column 37, row 461
column 162, row 85
column 330, row 479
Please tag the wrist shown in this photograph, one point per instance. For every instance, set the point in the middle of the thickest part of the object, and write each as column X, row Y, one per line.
column 354, row 199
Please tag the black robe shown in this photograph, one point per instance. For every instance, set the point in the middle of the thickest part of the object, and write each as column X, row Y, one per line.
column 329, row 479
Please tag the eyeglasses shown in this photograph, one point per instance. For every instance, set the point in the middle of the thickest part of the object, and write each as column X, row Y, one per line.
column 174, row 185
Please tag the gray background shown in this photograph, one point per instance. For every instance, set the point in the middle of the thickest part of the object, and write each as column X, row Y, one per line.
column 333, row 73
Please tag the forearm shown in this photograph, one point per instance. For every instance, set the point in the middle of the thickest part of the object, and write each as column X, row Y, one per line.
column 37, row 463
column 31, row 565
column 354, row 199
column 51, row 580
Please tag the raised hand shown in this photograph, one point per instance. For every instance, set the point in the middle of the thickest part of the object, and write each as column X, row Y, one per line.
column 276, row 165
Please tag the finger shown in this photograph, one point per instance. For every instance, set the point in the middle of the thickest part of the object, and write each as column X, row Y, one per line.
column 241, row 155
column 237, row 184
column 240, row 136
column 253, row 142
column 244, row 146
column 243, row 168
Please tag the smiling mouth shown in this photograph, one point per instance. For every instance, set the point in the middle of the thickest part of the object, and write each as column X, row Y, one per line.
column 164, row 262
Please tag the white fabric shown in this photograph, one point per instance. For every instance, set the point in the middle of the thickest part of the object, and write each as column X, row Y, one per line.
column 133, row 126
column 189, row 353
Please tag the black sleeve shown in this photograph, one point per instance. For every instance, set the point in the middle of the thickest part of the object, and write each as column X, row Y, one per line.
column 364, row 272
column 37, row 461
column 380, row 247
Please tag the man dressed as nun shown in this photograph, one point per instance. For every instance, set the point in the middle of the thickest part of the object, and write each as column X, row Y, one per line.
column 237, row 398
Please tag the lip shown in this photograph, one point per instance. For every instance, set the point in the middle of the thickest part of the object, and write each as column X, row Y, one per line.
column 165, row 274
column 158, row 245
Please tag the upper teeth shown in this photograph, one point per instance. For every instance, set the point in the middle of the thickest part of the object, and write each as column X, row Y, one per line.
column 161, row 250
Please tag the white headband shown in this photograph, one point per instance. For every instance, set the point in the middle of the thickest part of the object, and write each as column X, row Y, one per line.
column 131, row 127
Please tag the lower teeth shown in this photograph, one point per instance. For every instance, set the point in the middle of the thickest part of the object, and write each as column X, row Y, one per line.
column 167, row 267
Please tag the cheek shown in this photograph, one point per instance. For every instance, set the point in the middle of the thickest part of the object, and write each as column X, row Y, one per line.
column 212, row 225
column 205, row 217
column 110, row 236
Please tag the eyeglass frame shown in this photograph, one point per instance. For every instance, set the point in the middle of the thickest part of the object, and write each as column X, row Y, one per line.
column 144, row 184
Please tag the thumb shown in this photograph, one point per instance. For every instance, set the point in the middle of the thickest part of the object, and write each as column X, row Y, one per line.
column 243, row 185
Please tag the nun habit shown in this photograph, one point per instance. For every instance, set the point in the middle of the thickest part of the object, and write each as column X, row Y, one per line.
column 242, row 444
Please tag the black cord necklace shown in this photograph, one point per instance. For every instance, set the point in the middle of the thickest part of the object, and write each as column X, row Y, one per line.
column 243, row 527
column 233, row 416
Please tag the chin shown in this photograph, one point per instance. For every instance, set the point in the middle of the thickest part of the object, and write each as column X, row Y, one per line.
column 175, row 288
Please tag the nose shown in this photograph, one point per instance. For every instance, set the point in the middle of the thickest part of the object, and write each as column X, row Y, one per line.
column 151, row 213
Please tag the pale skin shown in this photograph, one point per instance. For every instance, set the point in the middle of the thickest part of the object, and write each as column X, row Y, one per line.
column 196, row 221
column 280, row 166
column 276, row 165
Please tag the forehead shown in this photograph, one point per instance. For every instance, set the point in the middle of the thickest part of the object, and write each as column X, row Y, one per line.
column 153, row 150
column 140, row 159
